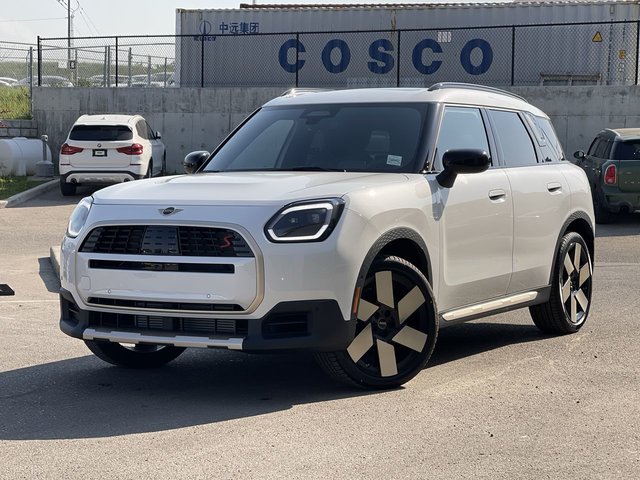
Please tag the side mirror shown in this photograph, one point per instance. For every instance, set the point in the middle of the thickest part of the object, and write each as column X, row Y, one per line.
column 460, row 162
column 579, row 155
column 158, row 136
column 193, row 161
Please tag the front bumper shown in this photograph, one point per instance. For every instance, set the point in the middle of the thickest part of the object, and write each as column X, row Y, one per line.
column 314, row 325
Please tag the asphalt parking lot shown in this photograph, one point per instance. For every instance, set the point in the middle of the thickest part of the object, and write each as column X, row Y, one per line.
column 498, row 400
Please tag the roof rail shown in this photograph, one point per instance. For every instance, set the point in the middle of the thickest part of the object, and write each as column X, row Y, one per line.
column 301, row 91
column 474, row 86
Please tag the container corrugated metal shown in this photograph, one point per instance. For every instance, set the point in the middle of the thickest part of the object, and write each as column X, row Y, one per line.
column 391, row 17
column 410, row 45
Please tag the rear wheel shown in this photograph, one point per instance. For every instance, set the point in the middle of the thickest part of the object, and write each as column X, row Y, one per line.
column 602, row 213
column 134, row 356
column 149, row 169
column 163, row 172
column 568, row 306
column 67, row 189
column 396, row 329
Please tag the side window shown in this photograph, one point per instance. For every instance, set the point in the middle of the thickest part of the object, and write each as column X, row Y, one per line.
column 594, row 145
column 516, row 146
column 546, row 138
column 601, row 149
column 461, row 128
column 141, row 128
column 150, row 133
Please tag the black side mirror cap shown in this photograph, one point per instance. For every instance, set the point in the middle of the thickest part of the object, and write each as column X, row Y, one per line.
column 462, row 161
column 194, row 160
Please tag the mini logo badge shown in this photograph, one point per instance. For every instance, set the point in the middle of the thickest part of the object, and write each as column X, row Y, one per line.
column 169, row 210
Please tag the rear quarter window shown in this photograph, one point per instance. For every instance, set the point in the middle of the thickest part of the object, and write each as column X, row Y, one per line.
column 105, row 133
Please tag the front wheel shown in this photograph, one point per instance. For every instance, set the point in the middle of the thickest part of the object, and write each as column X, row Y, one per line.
column 134, row 356
column 568, row 306
column 396, row 329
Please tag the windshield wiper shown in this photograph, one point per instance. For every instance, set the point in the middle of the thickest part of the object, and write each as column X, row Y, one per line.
column 308, row 168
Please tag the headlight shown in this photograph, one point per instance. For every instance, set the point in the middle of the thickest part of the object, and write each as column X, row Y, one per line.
column 79, row 217
column 305, row 221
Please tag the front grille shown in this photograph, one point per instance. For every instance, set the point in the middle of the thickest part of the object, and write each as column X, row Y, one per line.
column 184, row 306
column 197, row 326
column 166, row 240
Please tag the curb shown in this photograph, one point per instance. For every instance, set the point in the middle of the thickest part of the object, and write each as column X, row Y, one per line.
column 54, row 257
column 27, row 195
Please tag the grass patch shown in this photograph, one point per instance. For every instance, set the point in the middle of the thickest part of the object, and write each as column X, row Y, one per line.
column 14, row 103
column 9, row 186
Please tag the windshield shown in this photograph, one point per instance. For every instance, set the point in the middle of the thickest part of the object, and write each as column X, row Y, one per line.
column 361, row 138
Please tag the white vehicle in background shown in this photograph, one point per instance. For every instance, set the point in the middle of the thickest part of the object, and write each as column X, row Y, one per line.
column 106, row 149
column 7, row 81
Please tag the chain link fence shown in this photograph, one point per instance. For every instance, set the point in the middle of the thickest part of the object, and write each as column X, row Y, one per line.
column 522, row 55
column 16, row 63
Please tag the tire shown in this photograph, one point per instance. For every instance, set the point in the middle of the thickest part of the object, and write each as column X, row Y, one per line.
column 163, row 172
column 135, row 356
column 149, row 169
column 602, row 213
column 393, row 342
column 568, row 306
column 67, row 189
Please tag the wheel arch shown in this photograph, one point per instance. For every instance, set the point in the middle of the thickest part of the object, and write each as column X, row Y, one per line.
column 578, row 222
column 404, row 243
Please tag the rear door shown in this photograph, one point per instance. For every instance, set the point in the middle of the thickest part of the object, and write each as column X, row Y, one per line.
column 157, row 149
column 100, row 145
column 627, row 157
column 541, row 196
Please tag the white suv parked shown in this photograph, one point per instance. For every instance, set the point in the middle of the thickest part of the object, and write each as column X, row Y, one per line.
column 353, row 223
column 104, row 149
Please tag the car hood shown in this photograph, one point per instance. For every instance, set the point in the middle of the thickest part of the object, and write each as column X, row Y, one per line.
column 242, row 188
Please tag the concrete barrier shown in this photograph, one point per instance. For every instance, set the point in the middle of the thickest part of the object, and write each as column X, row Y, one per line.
column 198, row 119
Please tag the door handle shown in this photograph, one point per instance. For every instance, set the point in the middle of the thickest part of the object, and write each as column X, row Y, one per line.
column 497, row 195
column 554, row 187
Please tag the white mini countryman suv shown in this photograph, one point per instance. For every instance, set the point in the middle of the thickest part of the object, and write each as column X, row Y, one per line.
column 354, row 224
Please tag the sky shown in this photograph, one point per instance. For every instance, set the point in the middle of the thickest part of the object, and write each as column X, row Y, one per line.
column 24, row 20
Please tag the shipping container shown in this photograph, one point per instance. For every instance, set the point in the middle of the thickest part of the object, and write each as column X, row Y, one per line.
column 507, row 43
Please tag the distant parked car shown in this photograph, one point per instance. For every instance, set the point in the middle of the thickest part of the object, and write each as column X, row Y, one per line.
column 105, row 149
column 45, row 81
column 145, row 81
column 164, row 79
column 5, row 84
column 8, row 81
column 100, row 81
column 612, row 165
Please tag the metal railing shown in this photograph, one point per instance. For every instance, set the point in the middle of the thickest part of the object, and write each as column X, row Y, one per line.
column 604, row 53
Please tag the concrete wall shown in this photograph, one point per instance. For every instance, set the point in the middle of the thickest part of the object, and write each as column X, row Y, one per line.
column 198, row 119
column 188, row 118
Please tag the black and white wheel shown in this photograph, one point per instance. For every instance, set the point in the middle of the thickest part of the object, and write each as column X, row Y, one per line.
column 134, row 356
column 396, row 329
column 567, row 309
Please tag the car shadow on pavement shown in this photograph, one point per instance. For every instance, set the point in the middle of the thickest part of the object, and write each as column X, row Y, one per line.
column 85, row 398
column 468, row 339
column 48, row 275
column 622, row 226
